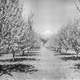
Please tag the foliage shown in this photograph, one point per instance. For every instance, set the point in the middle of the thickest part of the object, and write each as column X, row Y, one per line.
column 10, row 22
column 16, row 36
column 68, row 38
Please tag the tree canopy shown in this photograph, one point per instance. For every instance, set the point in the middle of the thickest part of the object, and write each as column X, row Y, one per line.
column 15, row 34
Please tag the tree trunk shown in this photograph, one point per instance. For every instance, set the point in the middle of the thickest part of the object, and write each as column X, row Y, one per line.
column 66, row 50
column 59, row 50
column 13, row 56
column 13, row 53
column 27, row 50
column 77, row 54
column 22, row 53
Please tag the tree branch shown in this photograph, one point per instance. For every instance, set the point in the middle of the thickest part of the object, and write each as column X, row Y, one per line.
column 76, row 5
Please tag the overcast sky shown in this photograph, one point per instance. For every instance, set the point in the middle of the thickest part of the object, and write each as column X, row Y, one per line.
column 50, row 14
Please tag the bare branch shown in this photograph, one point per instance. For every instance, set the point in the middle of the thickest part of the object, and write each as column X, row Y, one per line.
column 76, row 4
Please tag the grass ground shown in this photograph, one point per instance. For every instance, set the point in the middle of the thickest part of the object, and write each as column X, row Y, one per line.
column 50, row 67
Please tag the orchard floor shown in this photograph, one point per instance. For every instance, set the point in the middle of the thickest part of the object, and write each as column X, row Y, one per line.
column 50, row 67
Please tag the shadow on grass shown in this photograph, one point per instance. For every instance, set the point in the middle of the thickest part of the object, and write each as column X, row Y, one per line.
column 31, row 54
column 65, row 58
column 18, row 59
column 7, row 69
column 64, row 54
column 77, row 66
column 1, row 54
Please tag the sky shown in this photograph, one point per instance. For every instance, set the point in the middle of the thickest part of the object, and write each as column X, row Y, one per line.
column 49, row 15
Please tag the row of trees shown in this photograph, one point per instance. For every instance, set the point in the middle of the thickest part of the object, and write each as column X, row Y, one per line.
column 16, row 36
column 68, row 38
